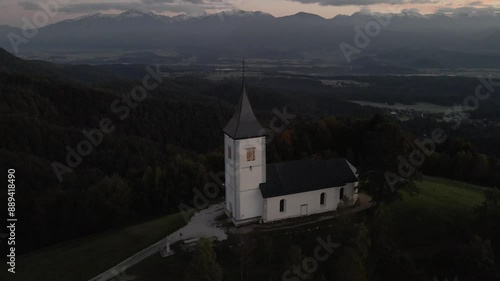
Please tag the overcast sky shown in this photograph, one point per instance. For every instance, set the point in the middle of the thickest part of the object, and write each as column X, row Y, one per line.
column 12, row 11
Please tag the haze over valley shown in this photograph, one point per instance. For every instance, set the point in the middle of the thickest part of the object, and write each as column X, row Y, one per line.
column 404, row 43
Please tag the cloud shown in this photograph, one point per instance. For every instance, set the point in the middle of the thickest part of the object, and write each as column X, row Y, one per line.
column 411, row 11
column 176, row 6
column 485, row 10
column 364, row 2
column 29, row 6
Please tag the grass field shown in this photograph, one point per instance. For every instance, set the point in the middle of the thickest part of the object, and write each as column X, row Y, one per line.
column 85, row 258
column 440, row 213
column 443, row 198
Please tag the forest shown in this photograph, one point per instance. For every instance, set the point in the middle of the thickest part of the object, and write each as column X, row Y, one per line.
column 170, row 143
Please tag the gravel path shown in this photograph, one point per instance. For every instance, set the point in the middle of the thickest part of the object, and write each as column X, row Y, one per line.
column 202, row 224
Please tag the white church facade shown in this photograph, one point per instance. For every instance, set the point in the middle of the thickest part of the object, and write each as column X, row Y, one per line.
column 259, row 192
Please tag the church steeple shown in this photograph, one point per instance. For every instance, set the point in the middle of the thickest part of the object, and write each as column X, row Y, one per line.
column 243, row 75
column 244, row 124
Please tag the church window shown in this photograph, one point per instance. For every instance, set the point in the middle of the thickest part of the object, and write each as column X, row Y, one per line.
column 282, row 205
column 341, row 197
column 229, row 152
column 251, row 154
column 322, row 199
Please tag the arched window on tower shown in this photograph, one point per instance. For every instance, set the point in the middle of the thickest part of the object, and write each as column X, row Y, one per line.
column 322, row 199
column 282, row 205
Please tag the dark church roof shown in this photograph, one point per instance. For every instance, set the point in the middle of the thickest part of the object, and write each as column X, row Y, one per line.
column 306, row 175
column 244, row 124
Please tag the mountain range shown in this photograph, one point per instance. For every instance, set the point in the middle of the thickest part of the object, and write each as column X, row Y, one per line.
column 415, row 38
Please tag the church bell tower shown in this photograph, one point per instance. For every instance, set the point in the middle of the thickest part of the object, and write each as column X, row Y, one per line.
column 245, row 162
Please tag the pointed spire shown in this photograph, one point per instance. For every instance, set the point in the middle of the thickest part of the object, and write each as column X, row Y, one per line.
column 244, row 124
column 243, row 73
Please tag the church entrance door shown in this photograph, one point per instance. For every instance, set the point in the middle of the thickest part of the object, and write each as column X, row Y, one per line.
column 303, row 210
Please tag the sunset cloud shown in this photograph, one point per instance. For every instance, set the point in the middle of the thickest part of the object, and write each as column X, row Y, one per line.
column 364, row 2
column 175, row 6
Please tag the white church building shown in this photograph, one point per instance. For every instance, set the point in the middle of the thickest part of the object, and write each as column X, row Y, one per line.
column 259, row 192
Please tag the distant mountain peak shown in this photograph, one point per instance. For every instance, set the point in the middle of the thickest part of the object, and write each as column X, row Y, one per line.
column 412, row 13
column 94, row 15
column 234, row 14
column 239, row 13
column 135, row 13
column 307, row 15
column 183, row 17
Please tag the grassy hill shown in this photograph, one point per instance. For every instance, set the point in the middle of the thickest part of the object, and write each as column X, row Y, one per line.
column 85, row 258
column 422, row 222
column 442, row 206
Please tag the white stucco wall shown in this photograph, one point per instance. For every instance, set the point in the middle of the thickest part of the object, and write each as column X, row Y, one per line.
column 244, row 177
column 250, row 204
column 294, row 202
column 250, row 178
column 230, row 194
column 252, row 174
